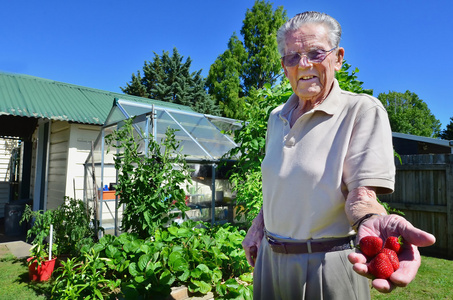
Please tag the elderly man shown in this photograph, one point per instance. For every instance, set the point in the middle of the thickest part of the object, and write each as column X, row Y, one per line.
column 328, row 153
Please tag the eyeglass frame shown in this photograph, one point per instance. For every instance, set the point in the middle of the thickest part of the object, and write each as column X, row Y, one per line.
column 326, row 52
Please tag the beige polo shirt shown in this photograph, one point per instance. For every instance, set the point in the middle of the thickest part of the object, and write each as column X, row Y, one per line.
column 344, row 143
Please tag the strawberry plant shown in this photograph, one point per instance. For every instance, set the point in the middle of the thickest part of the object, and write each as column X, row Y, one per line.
column 203, row 259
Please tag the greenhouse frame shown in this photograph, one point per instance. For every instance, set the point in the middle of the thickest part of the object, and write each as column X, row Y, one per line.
column 202, row 139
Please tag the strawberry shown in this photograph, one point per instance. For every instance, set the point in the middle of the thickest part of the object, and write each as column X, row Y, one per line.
column 370, row 245
column 380, row 266
column 393, row 257
column 394, row 243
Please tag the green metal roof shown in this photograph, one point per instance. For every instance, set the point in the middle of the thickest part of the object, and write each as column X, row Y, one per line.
column 34, row 97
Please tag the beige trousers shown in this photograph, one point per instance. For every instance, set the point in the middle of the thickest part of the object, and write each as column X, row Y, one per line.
column 306, row 276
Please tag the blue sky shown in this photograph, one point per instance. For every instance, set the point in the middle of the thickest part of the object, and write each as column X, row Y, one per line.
column 397, row 45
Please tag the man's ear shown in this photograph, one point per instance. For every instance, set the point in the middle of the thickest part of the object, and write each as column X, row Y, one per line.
column 339, row 61
column 284, row 69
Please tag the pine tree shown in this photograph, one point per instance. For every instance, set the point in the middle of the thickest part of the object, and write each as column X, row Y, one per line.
column 136, row 87
column 168, row 78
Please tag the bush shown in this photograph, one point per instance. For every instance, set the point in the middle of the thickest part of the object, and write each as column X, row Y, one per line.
column 150, row 182
column 71, row 228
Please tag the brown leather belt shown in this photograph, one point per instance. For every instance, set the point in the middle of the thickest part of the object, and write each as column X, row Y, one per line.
column 311, row 246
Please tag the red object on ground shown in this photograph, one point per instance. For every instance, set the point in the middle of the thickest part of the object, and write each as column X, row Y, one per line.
column 42, row 272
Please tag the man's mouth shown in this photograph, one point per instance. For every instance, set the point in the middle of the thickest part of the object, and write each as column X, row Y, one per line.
column 307, row 77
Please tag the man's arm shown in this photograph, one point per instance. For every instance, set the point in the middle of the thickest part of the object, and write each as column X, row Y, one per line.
column 363, row 201
column 252, row 240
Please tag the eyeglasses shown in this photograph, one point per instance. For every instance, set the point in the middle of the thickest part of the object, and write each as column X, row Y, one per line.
column 314, row 56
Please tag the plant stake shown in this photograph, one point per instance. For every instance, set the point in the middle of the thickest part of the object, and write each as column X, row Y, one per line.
column 51, row 240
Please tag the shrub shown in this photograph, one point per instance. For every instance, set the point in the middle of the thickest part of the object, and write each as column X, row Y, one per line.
column 149, row 183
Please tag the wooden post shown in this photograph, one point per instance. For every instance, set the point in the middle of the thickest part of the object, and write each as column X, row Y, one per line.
column 95, row 191
column 449, row 182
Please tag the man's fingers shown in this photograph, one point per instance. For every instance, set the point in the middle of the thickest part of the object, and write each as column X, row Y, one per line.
column 355, row 258
column 412, row 234
column 383, row 285
column 251, row 253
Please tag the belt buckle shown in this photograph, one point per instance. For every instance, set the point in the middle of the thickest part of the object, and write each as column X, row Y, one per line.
column 276, row 244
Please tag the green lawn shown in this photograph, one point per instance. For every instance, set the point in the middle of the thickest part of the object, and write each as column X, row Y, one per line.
column 434, row 281
column 14, row 279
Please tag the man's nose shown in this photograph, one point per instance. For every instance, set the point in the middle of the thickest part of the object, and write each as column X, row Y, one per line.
column 304, row 62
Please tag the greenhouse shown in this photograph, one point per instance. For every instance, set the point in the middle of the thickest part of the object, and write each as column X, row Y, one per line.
column 202, row 139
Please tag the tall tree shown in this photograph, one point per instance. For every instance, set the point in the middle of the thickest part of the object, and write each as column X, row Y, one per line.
column 410, row 114
column 447, row 133
column 247, row 65
column 259, row 31
column 224, row 79
column 168, row 78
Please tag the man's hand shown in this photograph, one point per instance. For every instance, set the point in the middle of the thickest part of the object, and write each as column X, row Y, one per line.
column 393, row 225
column 252, row 240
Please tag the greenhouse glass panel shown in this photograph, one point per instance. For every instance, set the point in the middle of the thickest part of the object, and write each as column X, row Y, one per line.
column 188, row 143
column 201, row 140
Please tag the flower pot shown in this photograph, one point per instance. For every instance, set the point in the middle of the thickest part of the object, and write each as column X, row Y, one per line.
column 42, row 272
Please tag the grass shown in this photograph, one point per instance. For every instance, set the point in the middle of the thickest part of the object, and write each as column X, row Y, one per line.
column 14, row 279
column 434, row 281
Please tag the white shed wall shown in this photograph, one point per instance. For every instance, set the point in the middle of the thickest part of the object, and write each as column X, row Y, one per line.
column 80, row 140
column 58, row 163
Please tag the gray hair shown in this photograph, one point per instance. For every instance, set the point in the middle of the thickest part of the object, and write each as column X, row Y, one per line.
column 309, row 17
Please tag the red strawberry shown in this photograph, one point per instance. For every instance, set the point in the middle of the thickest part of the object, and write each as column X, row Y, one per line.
column 394, row 243
column 393, row 257
column 380, row 266
column 370, row 245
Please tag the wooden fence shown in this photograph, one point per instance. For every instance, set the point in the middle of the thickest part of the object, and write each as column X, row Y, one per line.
column 424, row 192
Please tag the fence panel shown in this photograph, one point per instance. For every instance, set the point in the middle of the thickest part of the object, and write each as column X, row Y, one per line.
column 424, row 192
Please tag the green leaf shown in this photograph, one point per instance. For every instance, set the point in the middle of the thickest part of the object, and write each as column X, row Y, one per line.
column 173, row 230
column 98, row 294
column 184, row 276
column 177, row 262
column 112, row 251
column 247, row 277
column 196, row 273
column 204, row 268
column 232, row 283
column 133, row 269
column 167, row 278
column 143, row 261
column 202, row 286
column 216, row 275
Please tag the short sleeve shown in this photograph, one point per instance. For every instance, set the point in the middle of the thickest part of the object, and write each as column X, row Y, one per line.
column 370, row 158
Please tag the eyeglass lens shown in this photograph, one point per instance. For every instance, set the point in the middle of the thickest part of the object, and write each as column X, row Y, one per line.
column 315, row 56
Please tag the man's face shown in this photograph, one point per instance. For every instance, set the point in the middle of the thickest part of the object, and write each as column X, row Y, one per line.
column 312, row 81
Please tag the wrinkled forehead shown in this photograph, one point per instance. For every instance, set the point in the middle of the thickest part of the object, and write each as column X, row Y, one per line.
column 311, row 35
